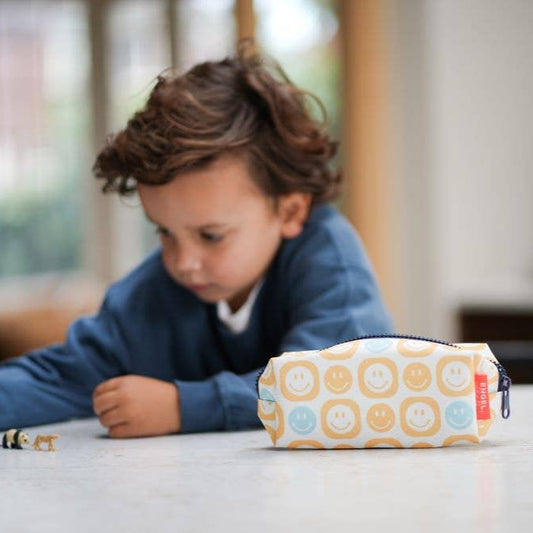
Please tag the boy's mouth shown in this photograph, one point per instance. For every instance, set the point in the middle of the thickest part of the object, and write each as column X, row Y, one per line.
column 200, row 287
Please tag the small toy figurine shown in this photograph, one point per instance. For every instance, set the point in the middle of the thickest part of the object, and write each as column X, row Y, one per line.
column 15, row 438
column 39, row 439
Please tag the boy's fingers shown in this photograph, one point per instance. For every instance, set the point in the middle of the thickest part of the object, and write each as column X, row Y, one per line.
column 121, row 431
column 105, row 402
column 107, row 386
column 112, row 418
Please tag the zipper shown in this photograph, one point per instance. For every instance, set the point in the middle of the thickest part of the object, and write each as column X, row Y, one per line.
column 504, row 384
column 259, row 374
column 381, row 336
column 408, row 337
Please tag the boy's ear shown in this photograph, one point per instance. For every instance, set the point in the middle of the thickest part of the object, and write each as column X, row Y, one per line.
column 293, row 209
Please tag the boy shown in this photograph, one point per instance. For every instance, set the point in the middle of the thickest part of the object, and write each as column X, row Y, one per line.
column 234, row 173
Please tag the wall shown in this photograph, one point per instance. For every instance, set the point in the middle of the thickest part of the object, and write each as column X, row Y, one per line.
column 460, row 100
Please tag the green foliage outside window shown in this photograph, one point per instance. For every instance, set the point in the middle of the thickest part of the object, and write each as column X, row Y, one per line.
column 39, row 233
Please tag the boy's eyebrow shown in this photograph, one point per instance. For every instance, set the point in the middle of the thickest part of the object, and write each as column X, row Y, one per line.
column 208, row 225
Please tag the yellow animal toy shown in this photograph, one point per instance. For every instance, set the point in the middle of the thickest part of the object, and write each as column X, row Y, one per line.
column 47, row 439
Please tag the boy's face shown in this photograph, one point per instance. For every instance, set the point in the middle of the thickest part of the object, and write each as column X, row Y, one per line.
column 219, row 232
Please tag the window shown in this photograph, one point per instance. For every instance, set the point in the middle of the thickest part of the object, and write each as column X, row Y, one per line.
column 204, row 31
column 303, row 35
column 138, row 51
column 44, row 124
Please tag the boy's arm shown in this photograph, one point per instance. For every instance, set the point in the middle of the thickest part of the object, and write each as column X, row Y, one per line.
column 226, row 401
column 55, row 383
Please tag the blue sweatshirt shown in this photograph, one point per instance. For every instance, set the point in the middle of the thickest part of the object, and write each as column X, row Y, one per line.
column 318, row 291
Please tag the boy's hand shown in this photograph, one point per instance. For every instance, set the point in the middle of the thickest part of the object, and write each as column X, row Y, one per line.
column 137, row 406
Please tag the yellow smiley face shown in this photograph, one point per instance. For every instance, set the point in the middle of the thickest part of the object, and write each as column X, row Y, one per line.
column 306, row 444
column 378, row 378
column 272, row 433
column 341, row 419
column 338, row 379
column 383, row 443
column 471, row 346
column 280, row 422
column 305, row 353
column 275, row 425
column 267, row 377
column 485, row 366
column 460, row 439
column 266, row 410
column 417, row 376
column 420, row 416
column 380, row 417
column 416, row 348
column 346, row 350
column 455, row 376
column 299, row 380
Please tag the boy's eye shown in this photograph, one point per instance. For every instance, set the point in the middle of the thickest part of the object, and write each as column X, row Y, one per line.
column 210, row 237
column 160, row 230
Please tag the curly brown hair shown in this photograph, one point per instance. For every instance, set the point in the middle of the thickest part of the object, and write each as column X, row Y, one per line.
column 241, row 104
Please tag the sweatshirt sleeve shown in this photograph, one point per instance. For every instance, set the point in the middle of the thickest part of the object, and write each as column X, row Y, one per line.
column 226, row 401
column 56, row 383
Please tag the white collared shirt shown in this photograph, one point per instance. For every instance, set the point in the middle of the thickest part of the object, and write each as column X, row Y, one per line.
column 237, row 322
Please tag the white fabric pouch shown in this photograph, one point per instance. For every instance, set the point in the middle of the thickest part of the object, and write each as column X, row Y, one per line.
column 384, row 391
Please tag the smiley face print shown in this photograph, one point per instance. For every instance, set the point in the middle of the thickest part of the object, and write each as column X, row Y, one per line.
column 302, row 420
column 416, row 348
column 338, row 379
column 417, row 376
column 306, row 444
column 487, row 367
column 346, row 350
column 341, row 419
column 460, row 440
column 380, row 417
column 274, row 425
column 420, row 416
column 378, row 378
column 459, row 415
column 299, row 380
column 267, row 377
column 383, row 443
column 266, row 410
column 454, row 375
column 378, row 345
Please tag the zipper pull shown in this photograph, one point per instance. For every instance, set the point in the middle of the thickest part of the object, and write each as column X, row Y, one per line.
column 504, row 384
column 506, row 408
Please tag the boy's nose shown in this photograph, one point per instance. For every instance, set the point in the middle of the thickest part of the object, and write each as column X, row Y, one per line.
column 187, row 261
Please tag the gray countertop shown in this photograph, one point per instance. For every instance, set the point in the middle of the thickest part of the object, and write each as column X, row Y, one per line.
column 238, row 482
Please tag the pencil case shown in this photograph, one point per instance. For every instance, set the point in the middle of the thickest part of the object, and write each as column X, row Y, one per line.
column 383, row 391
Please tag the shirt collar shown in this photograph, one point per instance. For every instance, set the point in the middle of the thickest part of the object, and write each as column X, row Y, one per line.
column 237, row 322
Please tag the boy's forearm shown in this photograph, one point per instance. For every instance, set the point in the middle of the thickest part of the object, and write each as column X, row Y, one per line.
column 226, row 401
column 25, row 401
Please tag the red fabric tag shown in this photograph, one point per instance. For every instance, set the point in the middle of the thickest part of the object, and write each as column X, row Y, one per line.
column 482, row 397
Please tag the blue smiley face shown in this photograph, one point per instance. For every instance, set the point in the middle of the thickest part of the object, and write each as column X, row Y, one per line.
column 265, row 394
column 302, row 420
column 459, row 415
column 378, row 345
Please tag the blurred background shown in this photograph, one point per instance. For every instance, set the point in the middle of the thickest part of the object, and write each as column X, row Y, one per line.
column 431, row 100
